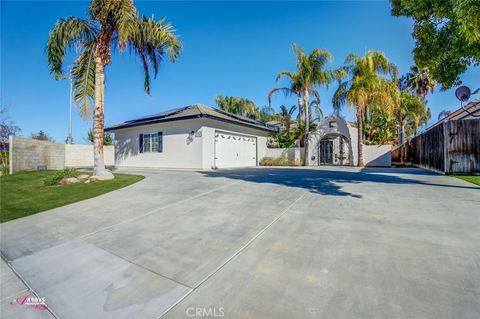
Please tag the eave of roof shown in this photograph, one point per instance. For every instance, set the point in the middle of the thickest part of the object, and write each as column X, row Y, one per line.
column 191, row 112
column 459, row 113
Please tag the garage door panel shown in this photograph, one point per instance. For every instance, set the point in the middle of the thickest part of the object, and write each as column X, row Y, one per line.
column 234, row 150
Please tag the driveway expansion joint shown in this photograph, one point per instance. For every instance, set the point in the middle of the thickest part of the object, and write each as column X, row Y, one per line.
column 239, row 251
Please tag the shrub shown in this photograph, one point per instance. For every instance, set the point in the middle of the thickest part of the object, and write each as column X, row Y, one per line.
column 58, row 175
column 279, row 161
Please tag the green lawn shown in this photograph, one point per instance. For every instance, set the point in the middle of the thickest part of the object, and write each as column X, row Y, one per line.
column 23, row 194
column 475, row 179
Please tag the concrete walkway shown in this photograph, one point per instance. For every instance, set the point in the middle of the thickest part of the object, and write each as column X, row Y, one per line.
column 258, row 243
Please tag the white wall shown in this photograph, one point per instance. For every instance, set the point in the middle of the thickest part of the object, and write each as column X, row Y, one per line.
column 77, row 155
column 293, row 153
column 377, row 155
column 180, row 148
column 354, row 143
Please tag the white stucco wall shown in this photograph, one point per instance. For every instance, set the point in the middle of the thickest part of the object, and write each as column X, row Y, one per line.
column 353, row 132
column 293, row 153
column 180, row 148
column 77, row 155
column 377, row 155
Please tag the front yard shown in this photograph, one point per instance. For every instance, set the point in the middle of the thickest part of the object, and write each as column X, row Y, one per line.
column 24, row 193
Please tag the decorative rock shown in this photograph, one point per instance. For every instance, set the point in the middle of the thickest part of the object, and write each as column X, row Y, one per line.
column 87, row 181
column 83, row 177
column 71, row 180
column 93, row 179
column 104, row 175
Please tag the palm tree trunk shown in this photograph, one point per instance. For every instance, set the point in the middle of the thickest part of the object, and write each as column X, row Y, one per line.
column 360, row 137
column 98, row 122
column 300, row 108
column 306, row 104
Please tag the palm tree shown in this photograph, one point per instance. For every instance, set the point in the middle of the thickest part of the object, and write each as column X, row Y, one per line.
column 443, row 114
column 411, row 110
column 371, row 84
column 237, row 105
column 286, row 115
column 110, row 23
column 310, row 73
column 419, row 81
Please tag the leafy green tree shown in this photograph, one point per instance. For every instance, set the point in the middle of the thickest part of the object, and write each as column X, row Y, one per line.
column 107, row 138
column 282, row 139
column 447, row 36
column 371, row 85
column 110, row 23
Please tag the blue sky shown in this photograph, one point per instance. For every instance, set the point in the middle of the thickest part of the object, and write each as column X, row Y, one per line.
column 230, row 48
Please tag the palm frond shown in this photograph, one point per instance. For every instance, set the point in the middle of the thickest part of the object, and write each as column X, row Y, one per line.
column 340, row 96
column 151, row 40
column 125, row 16
column 66, row 34
column 286, row 91
column 83, row 77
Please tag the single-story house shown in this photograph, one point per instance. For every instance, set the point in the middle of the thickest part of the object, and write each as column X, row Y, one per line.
column 194, row 137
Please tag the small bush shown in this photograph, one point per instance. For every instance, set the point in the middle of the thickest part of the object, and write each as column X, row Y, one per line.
column 279, row 161
column 58, row 175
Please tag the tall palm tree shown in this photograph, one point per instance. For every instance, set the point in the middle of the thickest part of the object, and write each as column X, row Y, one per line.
column 310, row 74
column 110, row 23
column 371, row 84
column 420, row 81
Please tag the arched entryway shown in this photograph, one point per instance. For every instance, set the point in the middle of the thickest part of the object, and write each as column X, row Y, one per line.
column 331, row 143
column 334, row 149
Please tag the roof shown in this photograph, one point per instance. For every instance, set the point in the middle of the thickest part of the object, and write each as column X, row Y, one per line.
column 460, row 113
column 192, row 112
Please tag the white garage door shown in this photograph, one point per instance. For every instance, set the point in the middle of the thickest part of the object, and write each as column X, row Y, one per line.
column 235, row 150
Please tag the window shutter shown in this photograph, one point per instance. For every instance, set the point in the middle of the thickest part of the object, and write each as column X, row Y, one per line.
column 160, row 142
column 141, row 143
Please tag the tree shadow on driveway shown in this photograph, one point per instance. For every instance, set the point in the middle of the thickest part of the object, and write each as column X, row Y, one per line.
column 325, row 181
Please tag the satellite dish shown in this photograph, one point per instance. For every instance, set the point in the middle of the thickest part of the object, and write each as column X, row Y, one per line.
column 463, row 93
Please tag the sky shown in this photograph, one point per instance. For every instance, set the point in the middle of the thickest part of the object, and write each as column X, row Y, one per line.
column 230, row 48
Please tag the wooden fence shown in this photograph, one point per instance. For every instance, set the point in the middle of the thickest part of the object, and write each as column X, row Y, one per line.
column 451, row 147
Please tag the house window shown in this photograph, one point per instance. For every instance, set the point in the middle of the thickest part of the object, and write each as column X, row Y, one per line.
column 152, row 142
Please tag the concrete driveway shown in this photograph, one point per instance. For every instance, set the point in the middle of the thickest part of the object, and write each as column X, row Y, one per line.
column 255, row 243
